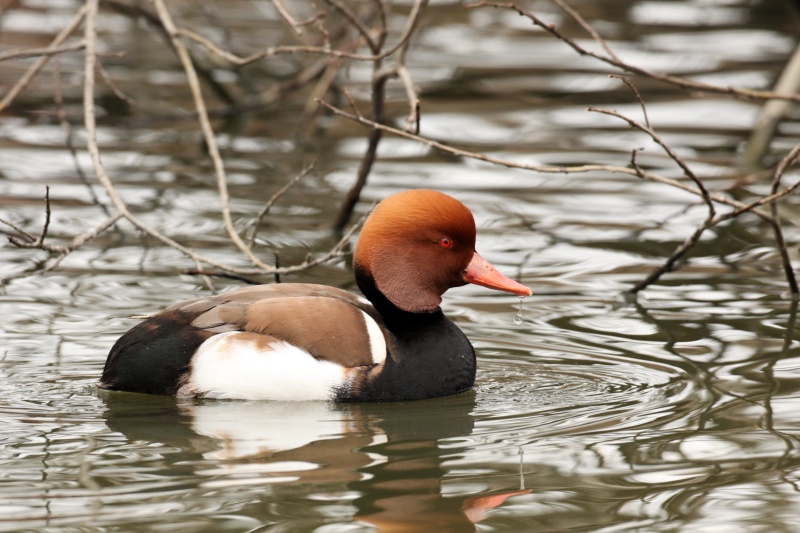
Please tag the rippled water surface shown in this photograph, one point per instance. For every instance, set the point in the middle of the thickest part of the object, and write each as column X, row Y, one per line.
column 675, row 411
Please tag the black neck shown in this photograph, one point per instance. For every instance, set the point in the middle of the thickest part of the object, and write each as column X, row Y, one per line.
column 430, row 355
column 391, row 314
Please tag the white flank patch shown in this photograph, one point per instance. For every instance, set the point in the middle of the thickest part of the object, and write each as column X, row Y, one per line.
column 228, row 367
column 377, row 342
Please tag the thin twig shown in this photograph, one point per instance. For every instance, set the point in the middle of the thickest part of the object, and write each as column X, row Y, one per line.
column 77, row 241
column 264, row 52
column 42, row 61
column 380, row 77
column 208, row 133
column 684, row 83
column 25, row 235
column 688, row 172
column 89, row 235
column 670, row 264
column 225, row 275
column 274, row 198
column 39, row 241
column 205, row 279
column 47, row 214
column 789, row 160
column 548, row 169
column 401, row 71
column 113, row 86
column 413, row 117
column 90, row 123
column 284, row 13
column 367, row 160
column 320, row 22
column 786, row 261
column 588, row 28
column 294, row 49
column 36, row 270
column 42, row 52
column 373, row 43
column 636, row 93
column 69, row 137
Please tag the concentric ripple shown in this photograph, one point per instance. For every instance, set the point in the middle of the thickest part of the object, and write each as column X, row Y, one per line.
column 604, row 393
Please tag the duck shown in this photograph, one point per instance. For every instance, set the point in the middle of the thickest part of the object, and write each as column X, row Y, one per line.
column 310, row 342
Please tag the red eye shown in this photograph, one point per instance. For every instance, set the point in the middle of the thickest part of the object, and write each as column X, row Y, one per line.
column 444, row 242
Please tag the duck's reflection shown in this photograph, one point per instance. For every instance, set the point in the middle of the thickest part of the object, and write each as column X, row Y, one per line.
column 391, row 455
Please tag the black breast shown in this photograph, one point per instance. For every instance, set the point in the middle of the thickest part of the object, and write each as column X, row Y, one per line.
column 428, row 357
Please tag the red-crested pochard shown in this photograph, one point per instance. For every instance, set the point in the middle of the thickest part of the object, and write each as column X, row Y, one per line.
column 298, row 341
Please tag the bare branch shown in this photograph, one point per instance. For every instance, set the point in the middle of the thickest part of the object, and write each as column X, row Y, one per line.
column 25, row 235
column 271, row 51
column 772, row 113
column 636, row 93
column 39, row 52
column 712, row 220
column 579, row 169
column 39, row 241
column 69, row 138
column 401, row 71
column 588, row 28
column 671, row 263
column 265, row 52
column 63, row 251
column 413, row 118
column 684, row 83
column 87, row 236
column 119, row 204
column 789, row 160
column 336, row 251
column 688, row 172
column 77, row 241
column 208, row 133
column 373, row 43
column 90, row 122
column 323, row 50
column 364, row 168
column 113, row 86
column 786, row 261
column 274, row 198
column 42, row 61
column 225, row 275
column 33, row 271
column 296, row 26
column 47, row 213
column 380, row 77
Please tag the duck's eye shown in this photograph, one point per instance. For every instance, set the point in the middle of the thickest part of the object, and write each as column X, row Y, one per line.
column 445, row 242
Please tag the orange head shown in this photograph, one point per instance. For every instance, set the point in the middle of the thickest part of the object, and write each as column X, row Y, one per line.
column 417, row 244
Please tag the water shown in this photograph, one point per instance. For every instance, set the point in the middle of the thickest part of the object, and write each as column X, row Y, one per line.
column 518, row 318
column 674, row 411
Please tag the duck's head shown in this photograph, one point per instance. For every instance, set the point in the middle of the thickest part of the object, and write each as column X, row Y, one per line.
column 417, row 244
